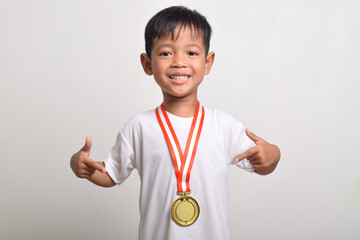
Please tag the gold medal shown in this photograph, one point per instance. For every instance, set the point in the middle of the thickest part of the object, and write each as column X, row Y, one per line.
column 185, row 210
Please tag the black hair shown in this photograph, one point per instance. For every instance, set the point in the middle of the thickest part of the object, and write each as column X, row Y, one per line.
column 165, row 22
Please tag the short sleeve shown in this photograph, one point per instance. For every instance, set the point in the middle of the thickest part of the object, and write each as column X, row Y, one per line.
column 240, row 143
column 120, row 160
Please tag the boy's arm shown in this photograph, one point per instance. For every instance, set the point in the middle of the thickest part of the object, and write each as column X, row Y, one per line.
column 85, row 167
column 264, row 157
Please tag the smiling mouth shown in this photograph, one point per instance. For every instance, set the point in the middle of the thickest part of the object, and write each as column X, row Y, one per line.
column 179, row 79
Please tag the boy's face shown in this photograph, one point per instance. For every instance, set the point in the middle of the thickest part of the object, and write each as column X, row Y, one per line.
column 178, row 64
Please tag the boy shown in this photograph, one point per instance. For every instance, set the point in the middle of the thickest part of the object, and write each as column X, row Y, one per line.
column 179, row 139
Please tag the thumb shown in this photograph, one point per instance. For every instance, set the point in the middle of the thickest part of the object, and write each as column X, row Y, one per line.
column 86, row 148
column 253, row 137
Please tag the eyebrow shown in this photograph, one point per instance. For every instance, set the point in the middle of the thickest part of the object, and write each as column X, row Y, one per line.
column 170, row 45
column 193, row 45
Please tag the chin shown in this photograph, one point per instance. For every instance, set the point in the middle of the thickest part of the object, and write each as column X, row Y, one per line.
column 183, row 95
column 177, row 93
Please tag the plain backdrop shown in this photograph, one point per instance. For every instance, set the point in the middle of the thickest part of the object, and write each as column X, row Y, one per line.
column 288, row 69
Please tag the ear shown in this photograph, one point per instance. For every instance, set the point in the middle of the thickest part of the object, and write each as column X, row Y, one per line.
column 146, row 64
column 209, row 62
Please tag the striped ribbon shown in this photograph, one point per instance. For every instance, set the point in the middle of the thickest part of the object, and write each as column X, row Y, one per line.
column 183, row 162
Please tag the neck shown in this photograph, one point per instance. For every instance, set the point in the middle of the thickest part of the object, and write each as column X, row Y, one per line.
column 181, row 107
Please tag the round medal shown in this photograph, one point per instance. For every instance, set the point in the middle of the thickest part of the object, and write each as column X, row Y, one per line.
column 185, row 210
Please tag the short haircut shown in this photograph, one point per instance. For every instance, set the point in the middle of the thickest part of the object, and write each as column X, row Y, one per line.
column 165, row 22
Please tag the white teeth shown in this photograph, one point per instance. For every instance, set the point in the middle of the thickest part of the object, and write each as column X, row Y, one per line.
column 179, row 77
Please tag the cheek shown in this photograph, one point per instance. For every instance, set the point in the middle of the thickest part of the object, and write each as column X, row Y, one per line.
column 158, row 67
column 158, row 74
column 200, row 67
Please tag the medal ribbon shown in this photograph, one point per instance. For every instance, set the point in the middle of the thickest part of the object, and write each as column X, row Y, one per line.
column 183, row 162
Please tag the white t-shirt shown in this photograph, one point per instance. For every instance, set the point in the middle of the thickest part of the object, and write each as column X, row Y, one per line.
column 141, row 145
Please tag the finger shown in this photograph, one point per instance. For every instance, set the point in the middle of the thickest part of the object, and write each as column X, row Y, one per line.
column 87, row 168
column 247, row 154
column 253, row 137
column 85, row 175
column 86, row 172
column 95, row 165
column 253, row 157
column 256, row 167
column 255, row 162
column 86, row 148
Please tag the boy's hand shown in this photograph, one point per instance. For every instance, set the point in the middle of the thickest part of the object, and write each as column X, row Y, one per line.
column 264, row 156
column 82, row 165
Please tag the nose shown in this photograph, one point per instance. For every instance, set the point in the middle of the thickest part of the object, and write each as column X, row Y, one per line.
column 179, row 61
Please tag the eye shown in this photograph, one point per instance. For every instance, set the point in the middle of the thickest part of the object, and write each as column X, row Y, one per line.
column 165, row 54
column 193, row 53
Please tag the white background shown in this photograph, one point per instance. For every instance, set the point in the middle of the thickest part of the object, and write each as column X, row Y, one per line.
column 289, row 70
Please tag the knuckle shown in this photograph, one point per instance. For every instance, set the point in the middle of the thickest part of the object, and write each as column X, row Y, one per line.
column 79, row 158
column 266, row 165
column 81, row 155
column 259, row 147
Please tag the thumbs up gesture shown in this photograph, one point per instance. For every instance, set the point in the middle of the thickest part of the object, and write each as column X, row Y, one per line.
column 264, row 157
column 82, row 165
